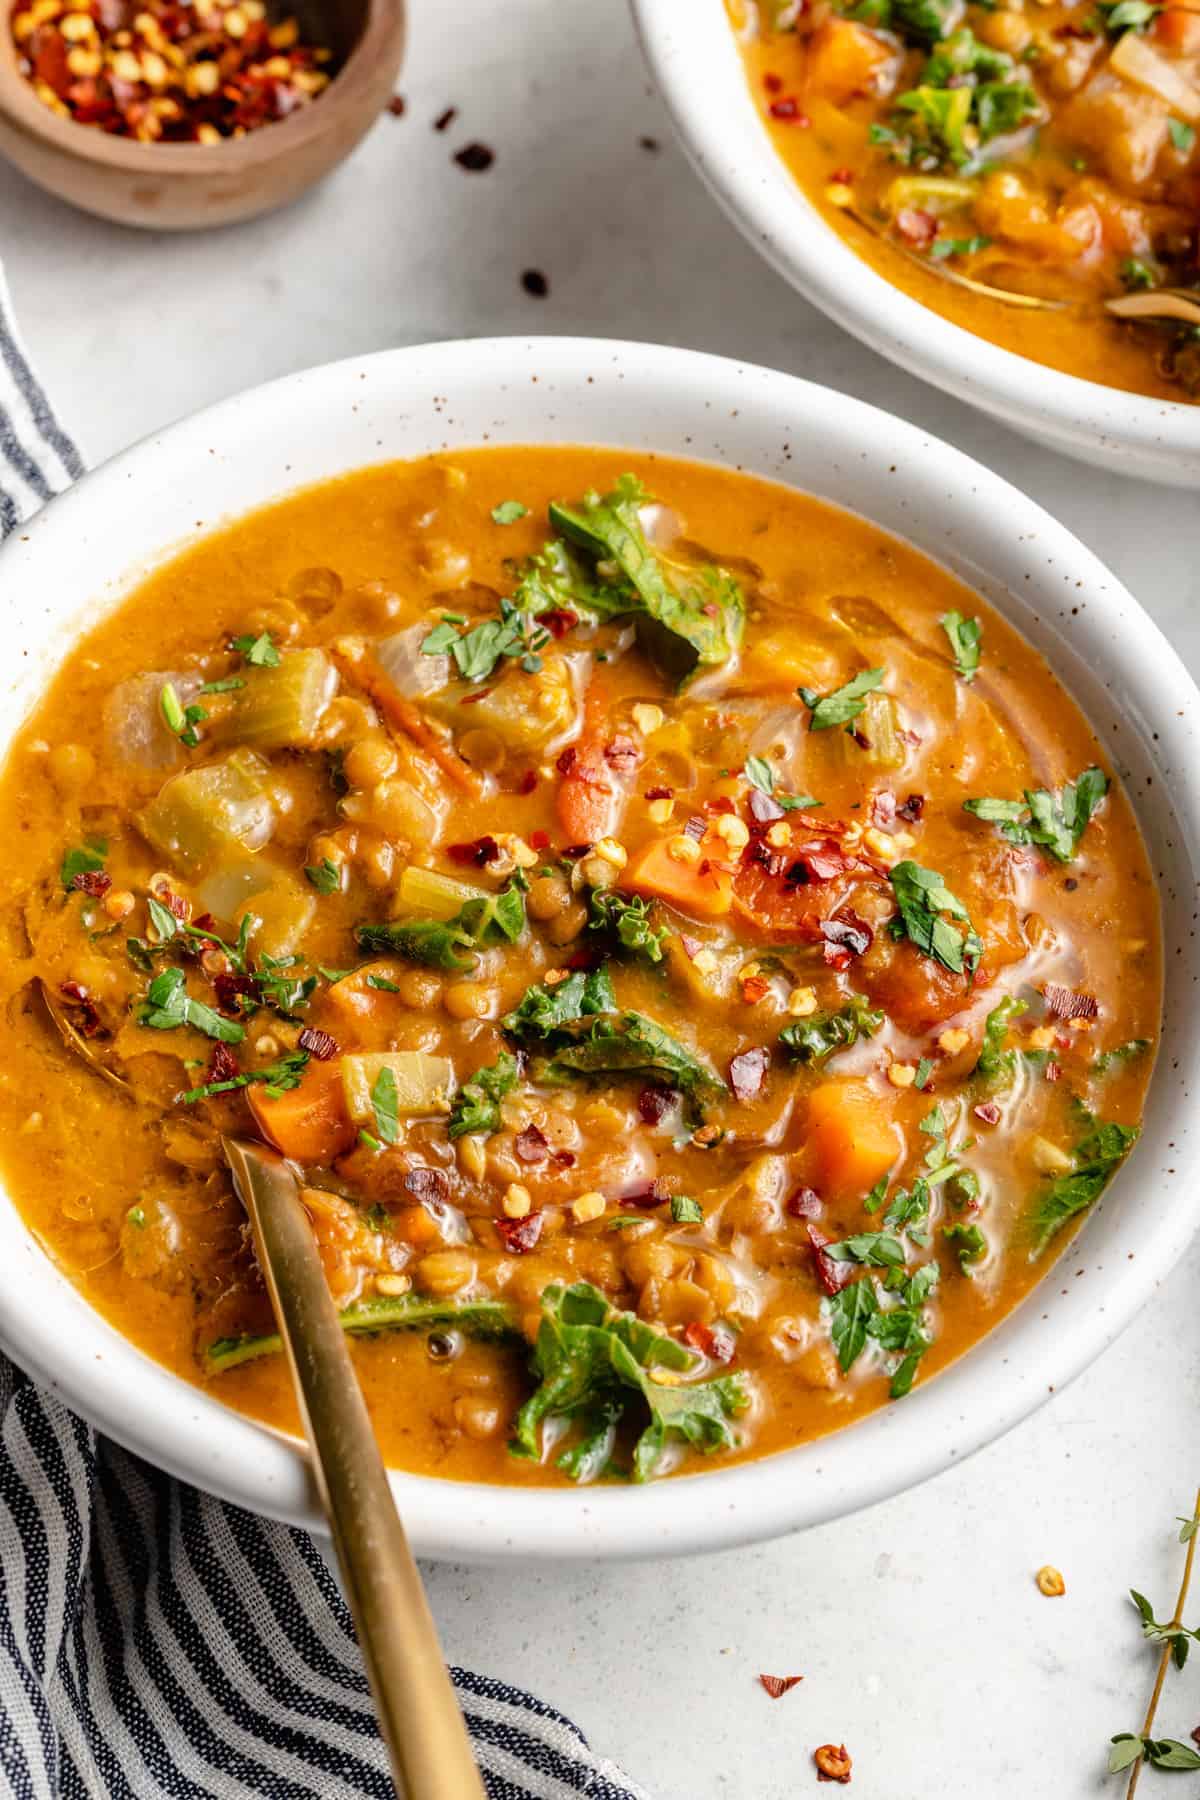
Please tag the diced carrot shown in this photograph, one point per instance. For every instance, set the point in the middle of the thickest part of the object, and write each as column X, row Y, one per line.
column 355, row 1005
column 1178, row 27
column 851, row 1139
column 590, row 800
column 308, row 1122
column 698, row 888
column 400, row 712
column 845, row 58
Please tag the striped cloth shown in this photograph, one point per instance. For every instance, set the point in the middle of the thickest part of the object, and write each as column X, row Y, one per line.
column 155, row 1642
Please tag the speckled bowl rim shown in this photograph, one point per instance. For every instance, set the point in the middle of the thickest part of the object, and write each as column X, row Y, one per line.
column 693, row 56
column 78, row 555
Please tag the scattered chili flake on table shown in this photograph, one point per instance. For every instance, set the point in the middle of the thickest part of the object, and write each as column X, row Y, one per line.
column 535, row 283
column 833, row 1763
column 397, row 106
column 165, row 69
column 474, row 158
column 777, row 1685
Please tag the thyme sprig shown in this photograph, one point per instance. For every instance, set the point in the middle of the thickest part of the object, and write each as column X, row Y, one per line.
column 1131, row 1749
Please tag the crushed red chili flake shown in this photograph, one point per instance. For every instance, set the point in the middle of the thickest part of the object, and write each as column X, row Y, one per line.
column 911, row 809
column 804, row 1203
column 474, row 158
column 1065, row 1003
column 654, row 1103
column 445, row 118
column 846, row 936
column 832, row 1275
column 748, row 1071
column 773, row 83
column 482, row 851
column 822, row 861
column 520, row 1235
column 176, row 904
column 777, row 1685
column 93, row 882
column 321, row 1044
column 659, row 793
column 787, row 111
column 763, row 809
column 77, row 994
column 397, row 106
column 844, row 177
column 690, row 945
column 696, row 826
column 1053, row 1071
column 535, row 283
column 539, row 840
column 657, row 1194
column 222, row 1064
column 716, row 1342
column 564, row 1159
column 833, row 1763
column 530, row 1145
column 648, row 143
column 558, row 620
column 916, row 226
column 773, row 862
column 231, row 990
column 565, row 762
column 165, row 71
column 754, row 989
column 988, row 1111
column 424, row 1183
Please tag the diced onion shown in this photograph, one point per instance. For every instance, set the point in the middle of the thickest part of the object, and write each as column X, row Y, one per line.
column 410, row 672
column 135, row 732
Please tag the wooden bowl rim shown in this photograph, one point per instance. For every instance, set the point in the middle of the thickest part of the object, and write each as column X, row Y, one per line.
column 382, row 37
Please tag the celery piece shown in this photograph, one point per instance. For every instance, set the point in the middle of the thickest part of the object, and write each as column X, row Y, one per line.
column 204, row 812
column 280, row 708
column 424, row 1083
column 490, row 1319
column 875, row 734
column 424, row 891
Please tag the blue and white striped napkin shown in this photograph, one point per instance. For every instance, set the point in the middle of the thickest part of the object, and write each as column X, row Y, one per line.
column 155, row 1643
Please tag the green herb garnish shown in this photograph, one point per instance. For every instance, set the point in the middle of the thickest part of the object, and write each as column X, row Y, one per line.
column 1053, row 821
column 508, row 512
column 260, row 652
column 965, row 636
column 934, row 919
column 843, row 704
column 627, row 920
column 276, row 1078
column 759, row 773
column 685, row 1210
column 813, row 1039
column 1097, row 1159
column 325, row 876
column 168, row 1005
column 85, row 859
column 477, row 1104
column 385, row 1104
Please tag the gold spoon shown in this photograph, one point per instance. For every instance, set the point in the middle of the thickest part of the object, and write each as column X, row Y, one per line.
column 418, row 1713
column 79, row 1045
column 1159, row 303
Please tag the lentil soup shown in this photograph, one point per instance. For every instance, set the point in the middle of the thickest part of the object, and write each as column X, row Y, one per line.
column 1048, row 150
column 689, row 943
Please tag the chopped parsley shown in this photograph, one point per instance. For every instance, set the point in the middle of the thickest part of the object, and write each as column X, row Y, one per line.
column 508, row 512
column 276, row 1078
column 627, row 920
column 477, row 1103
column 685, row 1210
column 933, row 919
column 965, row 636
column 85, row 859
column 996, row 1065
column 1182, row 136
column 385, row 1102
column 843, row 704
column 813, row 1039
column 260, row 652
column 1137, row 274
column 478, row 652
column 325, row 876
column 969, row 1241
column 940, row 249
column 1055, row 822
column 1098, row 1156
column 759, row 773
column 181, row 721
column 168, row 1005
column 1118, row 16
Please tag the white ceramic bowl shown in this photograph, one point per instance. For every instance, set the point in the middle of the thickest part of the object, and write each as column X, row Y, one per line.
column 694, row 58
column 80, row 554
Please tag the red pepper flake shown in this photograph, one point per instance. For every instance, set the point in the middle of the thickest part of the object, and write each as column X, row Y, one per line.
column 823, row 861
column 1053, row 1070
column 846, row 936
column 520, row 1235
column 535, row 283
column 778, row 1685
column 654, row 1103
column 916, row 226
column 174, row 903
column 320, row 1044
column 691, row 945
column 93, row 882
column 648, row 143
column 445, row 119
column 622, row 754
column 426, row 1184
column 832, row 1275
column 722, row 804
column 396, row 106
column 657, row 1194
column 773, row 83
column 763, row 809
column 231, row 990
column 754, row 989
column 1064, row 1003
column 787, row 111
column 566, row 762
column 573, row 852
column 539, row 840
column 988, row 1111
column 476, row 697
column 844, row 177
column 564, row 1159
column 912, row 809
column 716, row 1342
column 77, row 994
column 482, row 851
column 696, row 827
column 805, row 1203
column 474, row 158
column 558, row 620
column 748, row 1071
column 530, row 1145
column 222, row 1065
column 659, row 793
column 833, row 1763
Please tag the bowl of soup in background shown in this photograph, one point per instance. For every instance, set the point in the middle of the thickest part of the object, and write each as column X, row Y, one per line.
column 696, row 61
column 83, row 553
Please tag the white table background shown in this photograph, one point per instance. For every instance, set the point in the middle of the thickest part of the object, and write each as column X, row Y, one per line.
column 922, row 1638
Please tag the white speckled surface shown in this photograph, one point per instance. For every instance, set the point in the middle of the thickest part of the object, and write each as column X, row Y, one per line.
column 923, row 1641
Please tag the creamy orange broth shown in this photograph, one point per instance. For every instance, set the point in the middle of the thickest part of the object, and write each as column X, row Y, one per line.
column 129, row 1196
column 1095, row 194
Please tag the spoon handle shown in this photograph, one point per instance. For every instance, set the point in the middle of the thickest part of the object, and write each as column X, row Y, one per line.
column 418, row 1712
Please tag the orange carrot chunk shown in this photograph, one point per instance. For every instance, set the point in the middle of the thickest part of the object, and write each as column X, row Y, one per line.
column 851, row 1139
column 308, row 1122
column 698, row 888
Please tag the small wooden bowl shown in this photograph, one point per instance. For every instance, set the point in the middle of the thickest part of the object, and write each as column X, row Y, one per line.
column 187, row 187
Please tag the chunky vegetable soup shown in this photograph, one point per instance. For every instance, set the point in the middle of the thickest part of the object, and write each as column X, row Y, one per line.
column 697, row 955
column 1048, row 149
